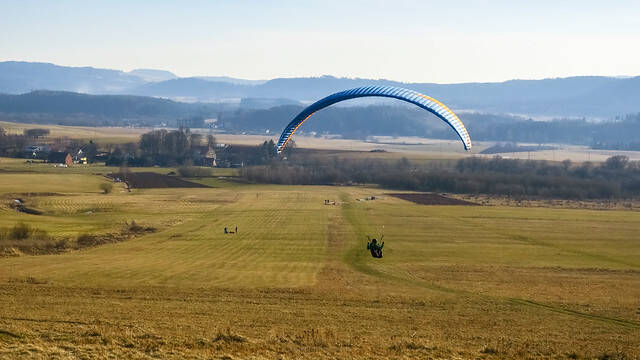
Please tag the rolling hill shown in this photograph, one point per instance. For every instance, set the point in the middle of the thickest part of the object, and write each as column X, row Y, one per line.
column 584, row 96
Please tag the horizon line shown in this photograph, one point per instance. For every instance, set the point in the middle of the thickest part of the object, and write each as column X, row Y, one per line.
column 317, row 76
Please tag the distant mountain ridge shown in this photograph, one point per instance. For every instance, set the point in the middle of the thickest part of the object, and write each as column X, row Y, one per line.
column 18, row 77
column 584, row 96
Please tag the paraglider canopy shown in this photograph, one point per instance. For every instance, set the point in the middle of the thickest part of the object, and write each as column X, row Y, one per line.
column 426, row 102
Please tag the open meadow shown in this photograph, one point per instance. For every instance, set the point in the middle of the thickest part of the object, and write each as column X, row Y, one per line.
column 296, row 281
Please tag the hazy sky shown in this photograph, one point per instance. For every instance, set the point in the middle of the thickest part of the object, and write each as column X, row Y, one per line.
column 413, row 41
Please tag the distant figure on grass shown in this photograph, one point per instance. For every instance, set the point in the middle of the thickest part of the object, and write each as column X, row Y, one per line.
column 236, row 229
column 225, row 230
column 374, row 247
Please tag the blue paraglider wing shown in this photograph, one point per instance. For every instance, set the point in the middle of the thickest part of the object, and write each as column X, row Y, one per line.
column 414, row 97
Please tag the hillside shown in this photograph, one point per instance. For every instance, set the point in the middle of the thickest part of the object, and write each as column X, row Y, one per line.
column 584, row 96
column 81, row 109
column 18, row 77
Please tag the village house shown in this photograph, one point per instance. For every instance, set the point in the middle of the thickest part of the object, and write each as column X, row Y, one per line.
column 205, row 156
column 80, row 158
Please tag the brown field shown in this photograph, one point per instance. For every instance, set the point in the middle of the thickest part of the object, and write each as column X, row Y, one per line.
column 431, row 199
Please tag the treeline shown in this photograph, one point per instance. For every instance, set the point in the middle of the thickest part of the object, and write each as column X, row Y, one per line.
column 184, row 148
column 615, row 178
column 155, row 148
column 162, row 148
column 245, row 155
column 617, row 134
column 30, row 144
column 12, row 145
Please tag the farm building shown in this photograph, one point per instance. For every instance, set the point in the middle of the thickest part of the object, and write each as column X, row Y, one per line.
column 205, row 155
column 80, row 158
column 60, row 157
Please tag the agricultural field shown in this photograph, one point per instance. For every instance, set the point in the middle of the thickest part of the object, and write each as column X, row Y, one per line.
column 296, row 281
column 111, row 135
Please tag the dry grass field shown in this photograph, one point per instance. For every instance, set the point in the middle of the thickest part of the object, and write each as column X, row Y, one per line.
column 456, row 282
column 113, row 135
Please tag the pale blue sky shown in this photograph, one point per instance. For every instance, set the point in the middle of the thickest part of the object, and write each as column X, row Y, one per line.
column 413, row 41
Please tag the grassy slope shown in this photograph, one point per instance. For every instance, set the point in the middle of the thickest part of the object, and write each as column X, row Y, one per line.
column 455, row 281
column 281, row 239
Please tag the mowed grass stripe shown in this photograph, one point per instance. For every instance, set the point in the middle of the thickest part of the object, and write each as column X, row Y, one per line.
column 399, row 268
column 493, row 235
column 281, row 242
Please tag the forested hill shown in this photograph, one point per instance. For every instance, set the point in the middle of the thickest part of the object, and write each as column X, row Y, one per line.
column 377, row 120
column 585, row 96
column 81, row 109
